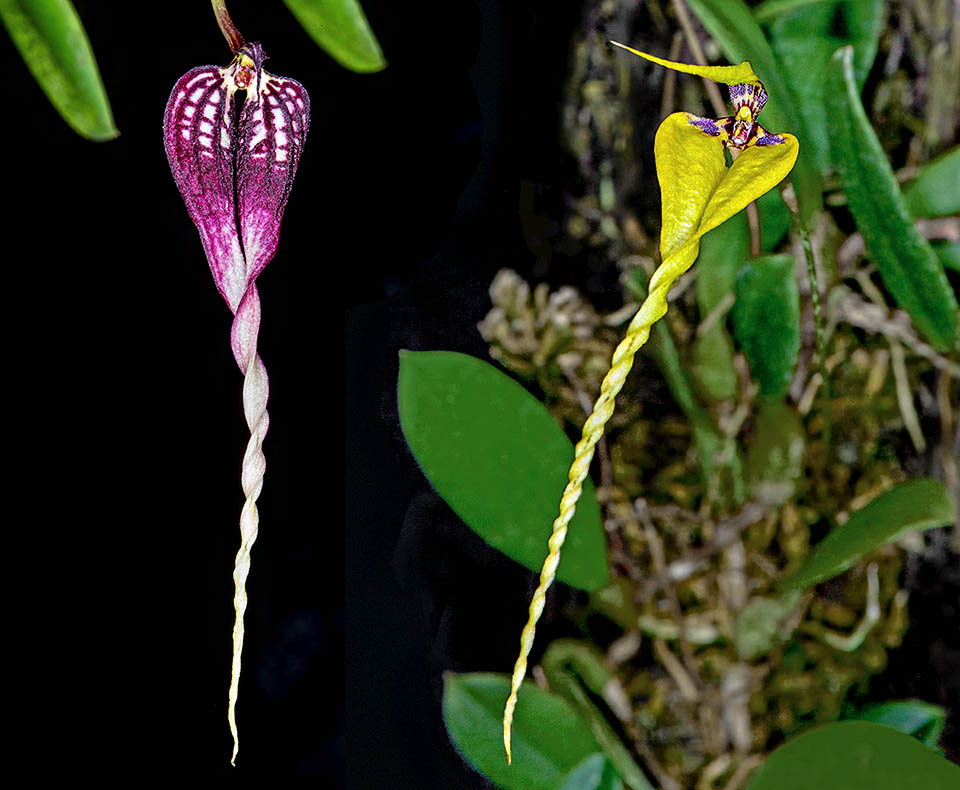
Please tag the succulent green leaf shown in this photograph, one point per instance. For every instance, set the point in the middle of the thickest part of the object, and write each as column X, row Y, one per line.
column 948, row 252
column 855, row 755
column 341, row 29
column 55, row 47
column 498, row 458
column 918, row 504
column 737, row 33
column 775, row 220
column 907, row 264
column 804, row 41
column 596, row 772
column 550, row 740
column 914, row 717
column 766, row 320
column 935, row 192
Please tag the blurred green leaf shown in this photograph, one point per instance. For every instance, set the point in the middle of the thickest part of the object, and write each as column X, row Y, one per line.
column 935, row 192
column 596, row 772
column 804, row 41
column 948, row 253
column 771, row 9
column 757, row 628
column 733, row 27
column 920, row 720
column 855, row 755
column 549, row 739
column 722, row 252
column 775, row 457
column 342, row 30
column 775, row 220
column 913, row 505
column 498, row 458
column 766, row 320
column 55, row 47
column 907, row 264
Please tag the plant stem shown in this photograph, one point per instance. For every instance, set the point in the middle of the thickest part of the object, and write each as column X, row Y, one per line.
column 229, row 30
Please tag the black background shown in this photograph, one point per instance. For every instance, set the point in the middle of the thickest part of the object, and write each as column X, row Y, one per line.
column 124, row 425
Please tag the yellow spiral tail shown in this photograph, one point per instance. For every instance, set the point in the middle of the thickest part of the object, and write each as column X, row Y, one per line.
column 652, row 310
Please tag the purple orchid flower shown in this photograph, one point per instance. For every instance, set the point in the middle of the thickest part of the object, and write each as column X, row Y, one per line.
column 235, row 170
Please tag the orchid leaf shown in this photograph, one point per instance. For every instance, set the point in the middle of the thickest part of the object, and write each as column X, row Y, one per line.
column 948, row 252
column 497, row 457
column 551, row 741
column 935, row 192
column 775, row 457
column 55, row 47
column 595, row 772
column 907, row 264
column 341, row 29
column 766, row 320
column 740, row 37
column 855, row 755
column 805, row 39
column 922, row 720
column 917, row 504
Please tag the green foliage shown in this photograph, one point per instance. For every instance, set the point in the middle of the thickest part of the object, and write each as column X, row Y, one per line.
column 549, row 740
column 766, row 320
column 804, row 41
column 907, row 264
column 855, row 756
column 740, row 37
column 775, row 458
column 342, row 30
column 55, row 47
column 919, row 719
column 594, row 773
column 935, row 192
column 913, row 505
column 499, row 459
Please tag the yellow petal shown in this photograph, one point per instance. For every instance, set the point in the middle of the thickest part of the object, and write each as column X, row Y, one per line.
column 730, row 75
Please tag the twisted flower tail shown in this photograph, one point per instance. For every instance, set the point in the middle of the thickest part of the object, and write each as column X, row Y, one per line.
column 256, row 389
column 698, row 193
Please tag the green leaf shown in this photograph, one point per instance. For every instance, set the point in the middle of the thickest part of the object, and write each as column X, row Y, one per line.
column 549, row 739
column 913, row 505
column 855, row 755
column 907, row 264
column 805, row 39
column 594, row 773
column 498, row 458
column 342, row 30
column 948, row 252
column 775, row 457
column 935, row 192
column 766, row 320
column 737, row 33
column 921, row 720
column 775, row 220
column 771, row 9
column 55, row 47
column 758, row 626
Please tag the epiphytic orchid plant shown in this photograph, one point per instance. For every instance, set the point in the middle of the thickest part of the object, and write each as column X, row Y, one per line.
column 235, row 173
column 698, row 193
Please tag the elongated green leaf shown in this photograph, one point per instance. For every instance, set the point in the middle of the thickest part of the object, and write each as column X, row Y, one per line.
column 739, row 36
column 497, row 457
column 549, row 740
column 914, row 505
column 775, row 457
column 919, row 719
column 769, row 10
column 766, row 320
column 596, row 772
column 935, row 192
column 804, row 41
column 55, row 47
column 774, row 220
column 908, row 266
column 855, row 755
column 342, row 30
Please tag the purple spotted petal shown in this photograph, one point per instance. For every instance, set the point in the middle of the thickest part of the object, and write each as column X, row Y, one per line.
column 197, row 128
column 273, row 125
column 235, row 179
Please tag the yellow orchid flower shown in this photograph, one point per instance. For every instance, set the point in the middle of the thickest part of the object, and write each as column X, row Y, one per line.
column 699, row 192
